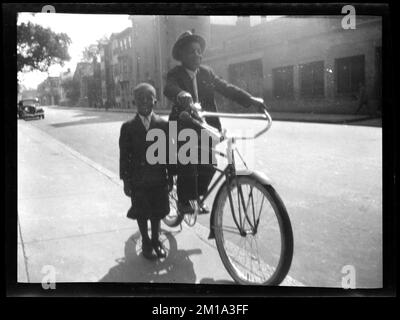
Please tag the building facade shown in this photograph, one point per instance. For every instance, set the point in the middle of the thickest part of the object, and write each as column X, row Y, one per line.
column 297, row 64
column 64, row 76
column 107, row 80
column 49, row 91
column 122, row 67
column 82, row 72
column 302, row 64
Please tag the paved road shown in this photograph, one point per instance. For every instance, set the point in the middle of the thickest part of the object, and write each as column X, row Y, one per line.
column 329, row 176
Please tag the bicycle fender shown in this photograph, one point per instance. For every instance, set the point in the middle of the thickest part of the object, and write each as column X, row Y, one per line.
column 257, row 175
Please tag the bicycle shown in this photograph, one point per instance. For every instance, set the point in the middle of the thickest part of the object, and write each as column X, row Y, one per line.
column 236, row 215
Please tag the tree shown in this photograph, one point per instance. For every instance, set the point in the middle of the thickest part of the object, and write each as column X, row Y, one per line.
column 90, row 52
column 38, row 48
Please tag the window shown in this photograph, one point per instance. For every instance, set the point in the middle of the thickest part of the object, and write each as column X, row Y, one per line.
column 247, row 75
column 283, row 82
column 350, row 73
column 312, row 79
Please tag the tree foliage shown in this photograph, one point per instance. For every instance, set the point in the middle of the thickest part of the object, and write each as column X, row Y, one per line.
column 90, row 52
column 38, row 48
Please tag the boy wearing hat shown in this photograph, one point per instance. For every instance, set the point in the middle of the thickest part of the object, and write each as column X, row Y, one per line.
column 193, row 82
column 146, row 184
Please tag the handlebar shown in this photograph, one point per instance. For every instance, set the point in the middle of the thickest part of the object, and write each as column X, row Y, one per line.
column 252, row 116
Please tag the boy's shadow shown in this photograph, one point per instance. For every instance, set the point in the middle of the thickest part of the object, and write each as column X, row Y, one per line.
column 175, row 268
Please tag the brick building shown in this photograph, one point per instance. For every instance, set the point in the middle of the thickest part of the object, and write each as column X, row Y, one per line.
column 301, row 64
column 122, row 67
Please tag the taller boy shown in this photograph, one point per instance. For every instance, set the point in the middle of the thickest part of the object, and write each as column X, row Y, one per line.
column 192, row 82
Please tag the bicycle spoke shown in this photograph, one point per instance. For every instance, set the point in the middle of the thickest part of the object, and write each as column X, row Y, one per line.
column 258, row 255
column 259, row 213
column 247, row 208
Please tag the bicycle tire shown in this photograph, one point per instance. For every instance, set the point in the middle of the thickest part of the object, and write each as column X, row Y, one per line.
column 285, row 234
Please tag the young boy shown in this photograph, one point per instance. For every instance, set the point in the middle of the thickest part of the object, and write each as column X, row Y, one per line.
column 146, row 184
column 193, row 82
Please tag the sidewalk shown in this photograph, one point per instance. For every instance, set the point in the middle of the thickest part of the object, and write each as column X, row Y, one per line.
column 278, row 116
column 72, row 216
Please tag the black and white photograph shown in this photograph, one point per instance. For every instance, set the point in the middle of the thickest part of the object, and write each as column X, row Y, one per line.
column 199, row 149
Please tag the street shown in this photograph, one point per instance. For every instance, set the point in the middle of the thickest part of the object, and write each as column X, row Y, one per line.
column 329, row 177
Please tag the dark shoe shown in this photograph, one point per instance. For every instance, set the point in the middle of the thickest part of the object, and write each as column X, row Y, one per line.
column 147, row 251
column 159, row 249
column 185, row 208
column 204, row 209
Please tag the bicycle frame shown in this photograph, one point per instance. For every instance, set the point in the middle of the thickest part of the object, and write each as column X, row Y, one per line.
column 230, row 170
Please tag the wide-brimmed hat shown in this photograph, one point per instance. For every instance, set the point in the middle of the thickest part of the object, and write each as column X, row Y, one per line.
column 184, row 39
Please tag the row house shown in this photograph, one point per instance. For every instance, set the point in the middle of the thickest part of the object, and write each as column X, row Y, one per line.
column 121, row 68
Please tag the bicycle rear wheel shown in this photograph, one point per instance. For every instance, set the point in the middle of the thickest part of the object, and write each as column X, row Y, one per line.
column 260, row 251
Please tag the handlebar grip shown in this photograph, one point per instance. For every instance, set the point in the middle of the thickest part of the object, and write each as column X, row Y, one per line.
column 215, row 135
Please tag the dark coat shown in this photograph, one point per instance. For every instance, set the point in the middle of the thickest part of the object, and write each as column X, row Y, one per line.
column 149, row 183
column 208, row 83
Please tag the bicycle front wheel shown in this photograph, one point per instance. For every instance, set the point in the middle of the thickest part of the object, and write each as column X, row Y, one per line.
column 253, row 232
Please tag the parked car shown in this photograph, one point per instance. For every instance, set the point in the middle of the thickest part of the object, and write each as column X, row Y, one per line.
column 30, row 109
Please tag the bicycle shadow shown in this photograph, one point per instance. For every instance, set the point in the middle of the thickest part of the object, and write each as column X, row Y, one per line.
column 214, row 281
column 175, row 268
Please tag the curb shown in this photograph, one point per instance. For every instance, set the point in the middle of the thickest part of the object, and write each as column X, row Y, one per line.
column 166, row 112
column 284, row 117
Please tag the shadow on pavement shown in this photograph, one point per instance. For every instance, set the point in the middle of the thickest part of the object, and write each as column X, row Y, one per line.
column 92, row 118
column 175, row 268
column 213, row 281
